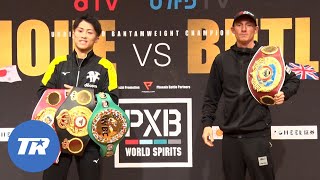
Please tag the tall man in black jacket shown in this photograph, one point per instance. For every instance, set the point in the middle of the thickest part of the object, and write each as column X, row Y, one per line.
column 82, row 68
column 246, row 126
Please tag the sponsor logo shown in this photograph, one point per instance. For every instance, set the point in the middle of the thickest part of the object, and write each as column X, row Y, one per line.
column 263, row 161
column 33, row 151
column 5, row 133
column 36, row 145
column 93, row 76
column 147, row 85
column 129, row 87
column 173, row 4
column 282, row 132
column 173, row 87
column 294, row 132
column 96, row 161
column 160, row 133
column 65, row 73
column 83, row 5
column 88, row 85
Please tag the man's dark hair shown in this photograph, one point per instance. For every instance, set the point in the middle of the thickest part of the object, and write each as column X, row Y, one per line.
column 89, row 19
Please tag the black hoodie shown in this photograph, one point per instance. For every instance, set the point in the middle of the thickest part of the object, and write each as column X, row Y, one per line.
column 242, row 113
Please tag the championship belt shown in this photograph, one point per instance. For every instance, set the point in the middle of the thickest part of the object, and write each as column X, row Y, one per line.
column 266, row 74
column 72, row 118
column 47, row 107
column 107, row 125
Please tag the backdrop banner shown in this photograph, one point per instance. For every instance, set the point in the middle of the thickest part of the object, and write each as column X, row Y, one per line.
column 163, row 51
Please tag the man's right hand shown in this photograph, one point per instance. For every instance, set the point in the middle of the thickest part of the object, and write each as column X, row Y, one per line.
column 68, row 88
column 207, row 136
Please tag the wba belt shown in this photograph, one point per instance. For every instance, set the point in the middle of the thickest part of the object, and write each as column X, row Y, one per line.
column 266, row 74
column 71, row 120
column 47, row 106
column 107, row 125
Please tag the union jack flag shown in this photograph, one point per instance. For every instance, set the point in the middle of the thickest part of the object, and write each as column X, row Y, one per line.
column 304, row 72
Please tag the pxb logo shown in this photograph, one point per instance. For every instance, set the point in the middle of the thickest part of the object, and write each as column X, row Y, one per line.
column 33, row 146
column 160, row 133
column 175, row 123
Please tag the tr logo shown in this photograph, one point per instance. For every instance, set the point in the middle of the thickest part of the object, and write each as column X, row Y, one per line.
column 93, row 76
column 33, row 151
column 37, row 145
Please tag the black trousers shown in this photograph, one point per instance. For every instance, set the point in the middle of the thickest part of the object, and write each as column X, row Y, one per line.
column 240, row 154
column 88, row 165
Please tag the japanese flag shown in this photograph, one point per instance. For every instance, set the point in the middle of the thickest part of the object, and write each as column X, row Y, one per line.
column 9, row 74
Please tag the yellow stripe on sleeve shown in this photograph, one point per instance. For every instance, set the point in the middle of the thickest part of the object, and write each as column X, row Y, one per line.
column 52, row 66
column 112, row 74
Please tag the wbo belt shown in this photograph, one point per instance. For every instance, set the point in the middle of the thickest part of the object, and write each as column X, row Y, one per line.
column 107, row 125
column 47, row 106
column 266, row 74
column 71, row 120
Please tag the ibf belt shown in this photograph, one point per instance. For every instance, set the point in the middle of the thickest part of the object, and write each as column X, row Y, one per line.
column 71, row 120
column 47, row 107
column 48, row 104
column 266, row 74
column 107, row 125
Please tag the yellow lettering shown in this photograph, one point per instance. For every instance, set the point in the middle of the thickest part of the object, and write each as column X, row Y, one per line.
column 103, row 45
column 6, row 43
column 198, row 44
column 276, row 27
column 61, row 38
column 24, row 47
column 302, row 45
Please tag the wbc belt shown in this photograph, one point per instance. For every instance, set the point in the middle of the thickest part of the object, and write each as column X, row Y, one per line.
column 47, row 106
column 266, row 74
column 107, row 125
column 71, row 120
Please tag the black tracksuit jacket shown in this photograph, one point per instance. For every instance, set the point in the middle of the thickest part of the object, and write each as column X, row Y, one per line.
column 92, row 72
column 242, row 113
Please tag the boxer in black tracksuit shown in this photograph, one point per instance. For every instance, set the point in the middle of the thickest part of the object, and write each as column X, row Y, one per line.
column 246, row 126
column 82, row 68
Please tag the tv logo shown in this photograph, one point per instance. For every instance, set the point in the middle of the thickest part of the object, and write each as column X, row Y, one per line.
column 173, row 4
column 83, row 5
column 33, row 146
column 37, row 145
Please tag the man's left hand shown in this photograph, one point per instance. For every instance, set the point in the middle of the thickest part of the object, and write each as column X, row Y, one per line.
column 279, row 98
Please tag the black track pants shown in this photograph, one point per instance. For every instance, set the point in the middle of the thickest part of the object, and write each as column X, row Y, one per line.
column 240, row 154
column 88, row 165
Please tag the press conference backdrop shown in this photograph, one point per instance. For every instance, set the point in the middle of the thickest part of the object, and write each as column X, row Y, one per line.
column 163, row 51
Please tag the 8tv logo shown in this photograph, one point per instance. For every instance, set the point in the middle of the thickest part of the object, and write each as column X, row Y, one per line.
column 83, row 5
